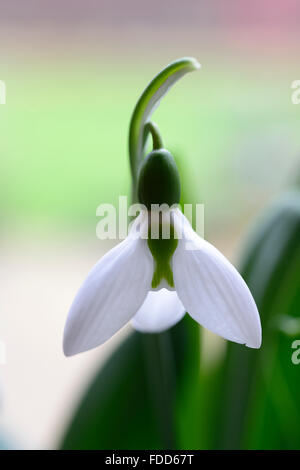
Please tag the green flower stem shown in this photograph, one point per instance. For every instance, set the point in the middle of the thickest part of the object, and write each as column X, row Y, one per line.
column 161, row 373
column 147, row 104
column 158, row 347
column 152, row 128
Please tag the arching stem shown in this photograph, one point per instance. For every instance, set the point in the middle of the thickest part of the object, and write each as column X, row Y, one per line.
column 152, row 128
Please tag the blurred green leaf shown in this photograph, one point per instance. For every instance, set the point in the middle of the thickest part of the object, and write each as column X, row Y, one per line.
column 141, row 398
column 259, row 403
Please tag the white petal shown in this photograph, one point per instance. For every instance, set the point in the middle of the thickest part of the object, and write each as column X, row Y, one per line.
column 161, row 310
column 110, row 296
column 212, row 290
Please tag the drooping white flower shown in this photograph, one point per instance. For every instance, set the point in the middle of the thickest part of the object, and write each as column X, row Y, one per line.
column 133, row 282
column 153, row 280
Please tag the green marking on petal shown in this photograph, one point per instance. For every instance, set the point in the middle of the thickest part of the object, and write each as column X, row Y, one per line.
column 162, row 250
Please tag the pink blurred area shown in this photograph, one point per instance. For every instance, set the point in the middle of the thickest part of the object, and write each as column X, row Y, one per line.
column 212, row 14
column 266, row 25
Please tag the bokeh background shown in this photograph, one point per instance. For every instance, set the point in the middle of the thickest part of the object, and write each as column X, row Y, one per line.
column 73, row 71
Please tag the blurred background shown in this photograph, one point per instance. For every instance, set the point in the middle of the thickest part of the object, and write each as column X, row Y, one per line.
column 73, row 71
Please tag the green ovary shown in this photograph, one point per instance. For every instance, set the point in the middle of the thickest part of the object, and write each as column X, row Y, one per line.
column 162, row 250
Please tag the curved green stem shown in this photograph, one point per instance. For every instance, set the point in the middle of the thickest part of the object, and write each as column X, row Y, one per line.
column 148, row 102
column 152, row 128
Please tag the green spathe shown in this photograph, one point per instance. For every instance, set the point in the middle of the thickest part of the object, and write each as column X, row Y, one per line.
column 149, row 101
column 159, row 181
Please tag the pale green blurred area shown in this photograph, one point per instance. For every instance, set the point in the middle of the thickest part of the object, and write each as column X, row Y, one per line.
column 231, row 126
column 63, row 146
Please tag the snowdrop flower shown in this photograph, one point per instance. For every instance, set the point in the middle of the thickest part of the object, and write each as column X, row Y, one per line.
column 163, row 269
column 154, row 281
